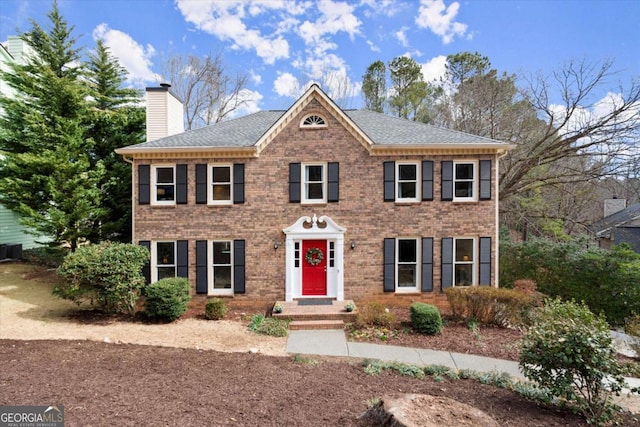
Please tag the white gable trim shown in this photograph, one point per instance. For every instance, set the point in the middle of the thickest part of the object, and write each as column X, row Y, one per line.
column 314, row 92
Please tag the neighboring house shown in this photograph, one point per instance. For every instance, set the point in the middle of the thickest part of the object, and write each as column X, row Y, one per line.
column 621, row 226
column 317, row 201
column 11, row 232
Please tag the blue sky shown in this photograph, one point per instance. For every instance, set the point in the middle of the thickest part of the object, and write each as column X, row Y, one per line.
column 283, row 45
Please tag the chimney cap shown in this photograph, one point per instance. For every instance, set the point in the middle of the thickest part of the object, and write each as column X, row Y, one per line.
column 165, row 84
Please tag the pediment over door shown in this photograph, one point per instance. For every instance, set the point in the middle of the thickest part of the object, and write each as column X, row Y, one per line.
column 314, row 226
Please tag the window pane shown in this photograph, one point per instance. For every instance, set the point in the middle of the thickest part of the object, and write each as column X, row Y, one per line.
column 464, row 171
column 464, row 274
column 221, row 192
column 314, row 191
column 314, row 173
column 164, row 175
column 407, row 251
column 406, row 276
column 407, row 190
column 222, row 253
column 407, row 172
column 464, row 250
column 222, row 277
column 464, row 189
column 221, row 174
column 165, row 253
column 164, row 272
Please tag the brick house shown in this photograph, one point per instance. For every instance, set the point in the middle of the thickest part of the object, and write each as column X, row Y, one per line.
column 316, row 201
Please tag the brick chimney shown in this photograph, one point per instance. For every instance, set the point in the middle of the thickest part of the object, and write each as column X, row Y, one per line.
column 165, row 113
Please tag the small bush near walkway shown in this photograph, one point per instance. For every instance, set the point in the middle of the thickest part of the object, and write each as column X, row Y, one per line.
column 215, row 309
column 167, row 299
column 426, row 318
column 108, row 274
column 375, row 314
column 493, row 306
column 568, row 351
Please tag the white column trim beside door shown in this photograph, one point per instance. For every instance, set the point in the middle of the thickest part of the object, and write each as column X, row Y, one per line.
column 314, row 228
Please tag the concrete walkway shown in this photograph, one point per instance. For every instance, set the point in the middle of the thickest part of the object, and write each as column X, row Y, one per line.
column 333, row 342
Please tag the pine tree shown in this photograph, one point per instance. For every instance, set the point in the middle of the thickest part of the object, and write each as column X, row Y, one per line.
column 47, row 173
column 116, row 120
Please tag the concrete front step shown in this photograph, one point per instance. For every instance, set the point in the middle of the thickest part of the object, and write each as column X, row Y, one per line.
column 299, row 325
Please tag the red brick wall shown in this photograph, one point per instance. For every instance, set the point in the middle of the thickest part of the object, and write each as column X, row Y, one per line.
column 362, row 210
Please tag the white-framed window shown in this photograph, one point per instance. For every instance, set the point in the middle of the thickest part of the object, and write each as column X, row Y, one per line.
column 314, row 183
column 464, row 257
column 464, row 181
column 221, row 267
column 220, row 184
column 163, row 260
column 407, row 265
column 407, row 179
column 313, row 121
column 163, row 184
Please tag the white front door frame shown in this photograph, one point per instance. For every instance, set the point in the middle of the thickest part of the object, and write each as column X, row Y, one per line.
column 314, row 228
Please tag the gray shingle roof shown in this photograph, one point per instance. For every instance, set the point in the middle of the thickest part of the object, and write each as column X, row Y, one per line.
column 617, row 219
column 380, row 128
column 384, row 129
column 241, row 132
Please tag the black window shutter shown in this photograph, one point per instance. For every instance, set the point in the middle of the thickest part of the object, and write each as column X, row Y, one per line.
column 333, row 182
column 146, row 268
column 427, row 180
column 144, row 184
column 447, row 263
column 389, row 181
column 202, row 281
column 182, row 258
column 485, row 179
column 238, row 267
column 389, row 265
column 485, row 261
column 181, row 184
column 447, row 180
column 294, row 182
column 238, row 183
column 201, row 184
column 427, row 264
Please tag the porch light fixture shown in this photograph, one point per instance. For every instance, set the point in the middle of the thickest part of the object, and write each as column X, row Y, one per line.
column 276, row 245
column 353, row 244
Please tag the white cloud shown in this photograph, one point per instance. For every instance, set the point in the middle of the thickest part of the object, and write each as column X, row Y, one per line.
column 401, row 35
column 286, row 85
column 251, row 100
column 373, row 46
column 435, row 16
column 255, row 78
column 224, row 20
column 134, row 57
column 334, row 17
column 434, row 69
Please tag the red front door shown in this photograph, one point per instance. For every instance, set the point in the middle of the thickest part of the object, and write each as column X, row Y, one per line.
column 314, row 267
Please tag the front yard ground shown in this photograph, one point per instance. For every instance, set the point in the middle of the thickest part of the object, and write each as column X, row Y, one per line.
column 203, row 373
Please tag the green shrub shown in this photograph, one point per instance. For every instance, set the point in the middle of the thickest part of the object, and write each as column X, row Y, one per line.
column 271, row 326
column 167, row 299
column 568, row 351
column 375, row 315
column 215, row 309
column 426, row 318
column 489, row 305
column 109, row 274
column 605, row 280
column 44, row 255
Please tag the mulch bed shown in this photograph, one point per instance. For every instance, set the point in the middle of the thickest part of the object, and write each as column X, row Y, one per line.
column 103, row 384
